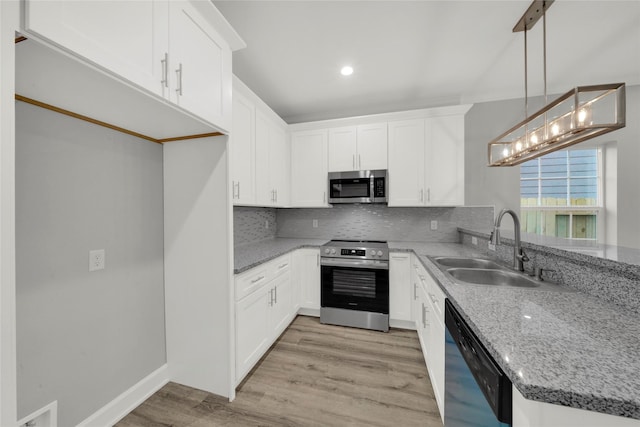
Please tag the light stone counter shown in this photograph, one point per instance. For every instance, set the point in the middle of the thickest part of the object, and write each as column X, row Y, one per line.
column 570, row 349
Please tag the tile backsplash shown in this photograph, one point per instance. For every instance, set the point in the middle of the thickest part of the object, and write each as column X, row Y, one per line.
column 249, row 224
column 380, row 222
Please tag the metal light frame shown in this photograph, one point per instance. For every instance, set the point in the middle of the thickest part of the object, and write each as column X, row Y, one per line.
column 580, row 114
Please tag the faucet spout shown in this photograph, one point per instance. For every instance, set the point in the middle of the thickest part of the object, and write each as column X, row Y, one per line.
column 519, row 257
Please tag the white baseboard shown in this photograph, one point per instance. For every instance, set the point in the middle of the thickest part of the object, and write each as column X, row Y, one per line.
column 119, row 407
column 402, row 324
column 314, row 312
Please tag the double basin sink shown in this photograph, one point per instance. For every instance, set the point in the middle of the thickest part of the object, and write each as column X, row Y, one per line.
column 480, row 271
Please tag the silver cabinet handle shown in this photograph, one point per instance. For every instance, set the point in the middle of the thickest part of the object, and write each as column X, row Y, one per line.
column 233, row 189
column 271, row 297
column 179, row 77
column 275, row 295
column 276, row 196
column 433, row 298
column 165, row 70
column 428, row 194
column 423, row 315
column 318, row 259
column 324, row 197
column 280, row 267
column 256, row 280
column 415, row 291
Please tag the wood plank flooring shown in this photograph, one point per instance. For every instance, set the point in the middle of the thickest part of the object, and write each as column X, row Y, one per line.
column 314, row 375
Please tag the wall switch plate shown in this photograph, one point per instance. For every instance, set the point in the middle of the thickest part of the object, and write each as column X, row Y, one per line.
column 96, row 259
column 474, row 241
column 434, row 225
column 315, row 223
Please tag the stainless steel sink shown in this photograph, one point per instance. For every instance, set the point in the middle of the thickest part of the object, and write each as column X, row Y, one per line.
column 463, row 262
column 478, row 276
column 485, row 272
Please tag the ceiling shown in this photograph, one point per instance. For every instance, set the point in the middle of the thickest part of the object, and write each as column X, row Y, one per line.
column 421, row 54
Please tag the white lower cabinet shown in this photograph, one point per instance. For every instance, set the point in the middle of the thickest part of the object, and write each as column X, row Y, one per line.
column 400, row 291
column 307, row 277
column 264, row 308
column 428, row 302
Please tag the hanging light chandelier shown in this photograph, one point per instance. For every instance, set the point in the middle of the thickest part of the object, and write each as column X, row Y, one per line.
column 580, row 114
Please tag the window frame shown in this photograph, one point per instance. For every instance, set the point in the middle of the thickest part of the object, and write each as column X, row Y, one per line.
column 570, row 210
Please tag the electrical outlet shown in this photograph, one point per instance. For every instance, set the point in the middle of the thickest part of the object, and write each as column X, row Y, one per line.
column 315, row 223
column 474, row 241
column 96, row 259
column 434, row 225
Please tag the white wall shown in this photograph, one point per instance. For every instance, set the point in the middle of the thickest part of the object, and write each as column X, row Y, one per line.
column 501, row 186
column 198, row 265
column 85, row 337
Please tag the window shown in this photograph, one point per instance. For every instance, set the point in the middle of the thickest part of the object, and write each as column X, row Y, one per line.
column 561, row 196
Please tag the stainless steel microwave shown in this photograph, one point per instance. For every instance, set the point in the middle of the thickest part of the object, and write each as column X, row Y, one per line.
column 358, row 187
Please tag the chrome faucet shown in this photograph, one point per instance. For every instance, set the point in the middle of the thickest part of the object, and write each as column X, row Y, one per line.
column 519, row 257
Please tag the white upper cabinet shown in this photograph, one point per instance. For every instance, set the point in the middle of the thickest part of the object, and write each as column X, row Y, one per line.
column 406, row 163
column 309, row 168
column 426, row 160
column 169, row 48
column 272, row 163
column 362, row 147
column 372, row 146
column 241, row 149
column 342, row 149
column 199, row 70
column 128, row 38
column 444, row 164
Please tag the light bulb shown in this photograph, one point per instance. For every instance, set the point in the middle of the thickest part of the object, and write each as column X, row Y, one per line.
column 518, row 145
column 346, row 70
column 534, row 139
column 582, row 116
column 505, row 152
column 555, row 129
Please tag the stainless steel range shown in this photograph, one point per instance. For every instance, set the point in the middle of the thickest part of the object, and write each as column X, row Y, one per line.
column 355, row 284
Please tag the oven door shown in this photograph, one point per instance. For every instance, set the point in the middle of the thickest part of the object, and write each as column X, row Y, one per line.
column 361, row 285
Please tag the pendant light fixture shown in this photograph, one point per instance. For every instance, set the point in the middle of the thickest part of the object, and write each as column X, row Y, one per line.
column 580, row 114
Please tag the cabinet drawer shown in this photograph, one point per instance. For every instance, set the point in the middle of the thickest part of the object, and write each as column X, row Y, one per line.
column 280, row 265
column 249, row 281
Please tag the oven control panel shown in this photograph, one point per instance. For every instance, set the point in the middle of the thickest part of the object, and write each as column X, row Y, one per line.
column 363, row 250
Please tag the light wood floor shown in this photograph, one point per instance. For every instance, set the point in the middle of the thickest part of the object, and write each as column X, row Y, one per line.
column 314, row 375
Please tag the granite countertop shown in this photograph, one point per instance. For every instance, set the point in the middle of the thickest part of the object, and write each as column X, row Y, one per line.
column 252, row 254
column 565, row 348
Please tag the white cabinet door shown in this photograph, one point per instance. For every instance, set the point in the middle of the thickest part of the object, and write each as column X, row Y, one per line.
column 424, row 332
column 307, row 277
column 309, row 168
column 279, row 165
column 445, row 160
column 400, row 287
column 264, row 190
column 342, row 149
column 128, row 38
column 242, row 148
column 372, row 147
column 406, row 163
column 253, row 333
column 282, row 304
column 199, row 65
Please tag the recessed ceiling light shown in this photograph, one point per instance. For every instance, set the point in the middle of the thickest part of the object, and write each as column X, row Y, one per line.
column 346, row 70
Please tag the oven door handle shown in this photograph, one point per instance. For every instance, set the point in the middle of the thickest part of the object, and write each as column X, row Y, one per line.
column 355, row 263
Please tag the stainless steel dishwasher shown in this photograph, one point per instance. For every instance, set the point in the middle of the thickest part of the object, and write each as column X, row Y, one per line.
column 477, row 392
